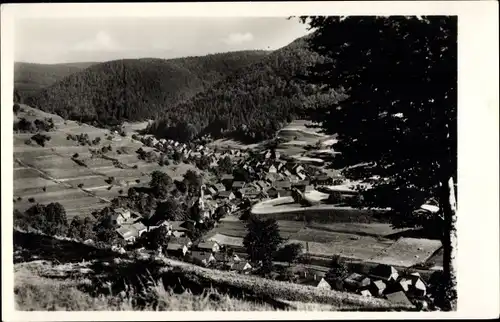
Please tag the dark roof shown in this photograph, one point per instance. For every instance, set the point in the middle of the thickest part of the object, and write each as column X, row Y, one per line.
column 206, row 245
column 379, row 284
column 383, row 271
column 219, row 187
column 177, row 225
column 200, row 255
column 239, row 265
column 301, row 183
column 188, row 224
column 398, row 298
column 238, row 184
column 323, row 177
column 225, row 193
column 282, row 184
column 179, row 240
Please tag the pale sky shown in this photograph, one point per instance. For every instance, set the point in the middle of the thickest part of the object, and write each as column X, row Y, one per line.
column 58, row 40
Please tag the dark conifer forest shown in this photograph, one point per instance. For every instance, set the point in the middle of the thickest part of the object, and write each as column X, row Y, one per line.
column 247, row 95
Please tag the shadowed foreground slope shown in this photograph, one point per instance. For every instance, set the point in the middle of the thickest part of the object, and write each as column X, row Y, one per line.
column 48, row 280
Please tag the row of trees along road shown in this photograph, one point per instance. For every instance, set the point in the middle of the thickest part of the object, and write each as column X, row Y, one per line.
column 399, row 120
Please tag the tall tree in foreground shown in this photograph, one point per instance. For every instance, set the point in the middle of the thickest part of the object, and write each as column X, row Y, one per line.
column 398, row 123
column 160, row 183
column 262, row 241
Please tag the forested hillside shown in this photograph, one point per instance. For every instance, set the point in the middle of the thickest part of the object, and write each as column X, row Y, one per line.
column 251, row 104
column 136, row 89
column 29, row 78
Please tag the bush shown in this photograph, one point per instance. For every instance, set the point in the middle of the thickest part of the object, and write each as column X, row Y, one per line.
column 76, row 155
column 80, row 185
column 50, row 219
column 137, row 180
column 31, row 199
column 40, row 139
column 17, row 108
column 338, row 269
column 27, row 142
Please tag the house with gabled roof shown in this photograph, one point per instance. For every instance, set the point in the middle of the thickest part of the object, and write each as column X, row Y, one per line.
column 227, row 177
column 179, row 245
column 127, row 233
column 418, row 287
column 404, row 284
column 273, row 193
column 323, row 179
column 385, row 273
column 225, row 195
column 281, row 166
column 202, row 257
column 317, row 282
column 298, row 168
column 238, row 185
column 210, row 191
column 377, row 287
column 262, row 185
column 123, row 215
column 219, row 187
column 284, row 193
column 399, row 298
column 209, row 246
column 302, row 176
column 243, row 267
column 249, row 192
column 356, row 282
column 271, row 169
column 282, row 184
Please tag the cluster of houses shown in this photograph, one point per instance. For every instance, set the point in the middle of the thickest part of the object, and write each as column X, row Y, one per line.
column 191, row 151
column 208, row 253
column 382, row 281
column 270, row 176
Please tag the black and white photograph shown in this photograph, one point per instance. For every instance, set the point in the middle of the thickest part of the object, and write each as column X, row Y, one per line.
column 288, row 162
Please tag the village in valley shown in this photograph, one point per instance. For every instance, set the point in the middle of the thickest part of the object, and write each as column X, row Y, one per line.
column 230, row 184
column 249, row 179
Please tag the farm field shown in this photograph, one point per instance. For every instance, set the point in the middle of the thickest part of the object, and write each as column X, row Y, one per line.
column 285, row 209
column 355, row 241
column 51, row 167
column 296, row 136
column 408, row 252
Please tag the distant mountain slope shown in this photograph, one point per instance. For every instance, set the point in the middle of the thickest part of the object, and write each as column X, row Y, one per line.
column 29, row 78
column 250, row 104
column 136, row 89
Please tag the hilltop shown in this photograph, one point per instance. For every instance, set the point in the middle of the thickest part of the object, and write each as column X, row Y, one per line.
column 251, row 104
column 29, row 78
column 136, row 89
column 247, row 95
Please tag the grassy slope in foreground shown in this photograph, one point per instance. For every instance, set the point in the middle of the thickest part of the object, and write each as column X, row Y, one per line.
column 35, row 293
column 61, row 248
column 286, row 291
